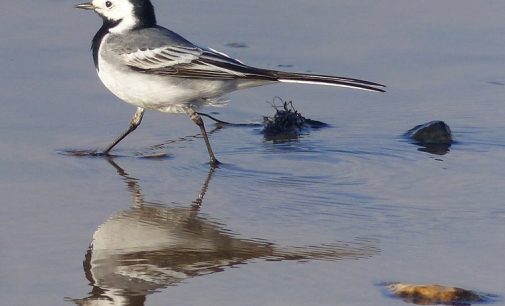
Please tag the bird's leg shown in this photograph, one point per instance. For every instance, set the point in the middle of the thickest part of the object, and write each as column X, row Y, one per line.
column 134, row 123
column 195, row 117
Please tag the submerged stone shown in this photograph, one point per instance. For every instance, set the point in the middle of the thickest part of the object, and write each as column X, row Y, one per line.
column 431, row 133
column 431, row 294
column 434, row 137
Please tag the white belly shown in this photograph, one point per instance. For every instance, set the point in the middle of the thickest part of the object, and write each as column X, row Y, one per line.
column 157, row 92
column 162, row 93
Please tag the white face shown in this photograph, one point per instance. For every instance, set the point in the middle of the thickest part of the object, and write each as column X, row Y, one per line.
column 116, row 10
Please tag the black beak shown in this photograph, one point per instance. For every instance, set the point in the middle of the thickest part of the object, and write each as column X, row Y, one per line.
column 86, row 6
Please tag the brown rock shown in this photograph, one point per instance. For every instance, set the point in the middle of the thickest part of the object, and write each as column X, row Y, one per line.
column 431, row 294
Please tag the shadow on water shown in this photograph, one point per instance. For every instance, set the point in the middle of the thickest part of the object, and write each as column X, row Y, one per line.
column 150, row 246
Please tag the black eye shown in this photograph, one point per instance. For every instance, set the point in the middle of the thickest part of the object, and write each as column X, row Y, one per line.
column 108, row 4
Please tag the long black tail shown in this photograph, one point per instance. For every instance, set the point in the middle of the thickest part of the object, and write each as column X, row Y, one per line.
column 304, row 78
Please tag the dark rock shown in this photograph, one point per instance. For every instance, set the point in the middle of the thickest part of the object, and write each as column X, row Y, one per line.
column 434, row 137
column 434, row 132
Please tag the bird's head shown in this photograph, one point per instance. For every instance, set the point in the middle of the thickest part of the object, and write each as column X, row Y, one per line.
column 123, row 15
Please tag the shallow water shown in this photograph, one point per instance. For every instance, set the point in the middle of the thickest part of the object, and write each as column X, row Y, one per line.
column 318, row 220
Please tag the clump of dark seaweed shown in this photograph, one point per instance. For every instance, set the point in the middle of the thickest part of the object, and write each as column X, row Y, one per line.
column 286, row 124
column 287, row 121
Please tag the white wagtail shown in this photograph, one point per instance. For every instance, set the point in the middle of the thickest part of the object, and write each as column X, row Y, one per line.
column 154, row 68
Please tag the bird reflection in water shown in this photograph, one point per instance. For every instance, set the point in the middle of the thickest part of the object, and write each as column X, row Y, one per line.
column 150, row 246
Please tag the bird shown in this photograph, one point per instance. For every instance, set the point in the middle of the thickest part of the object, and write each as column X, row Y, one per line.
column 154, row 68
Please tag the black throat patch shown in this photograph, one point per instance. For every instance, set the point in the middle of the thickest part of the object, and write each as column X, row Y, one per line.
column 97, row 39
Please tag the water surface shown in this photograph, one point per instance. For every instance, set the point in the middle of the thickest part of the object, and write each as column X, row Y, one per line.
column 318, row 220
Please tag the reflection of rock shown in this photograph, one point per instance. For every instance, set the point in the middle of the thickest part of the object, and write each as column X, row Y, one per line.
column 435, row 137
column 151, row 246
column 435, row 294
